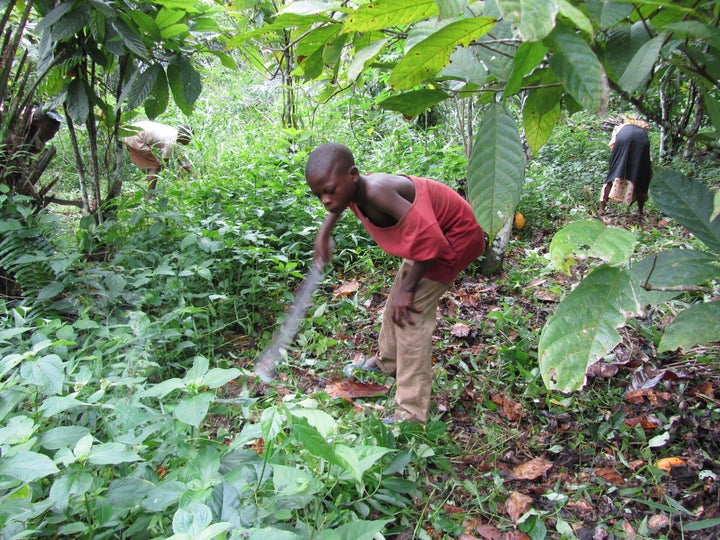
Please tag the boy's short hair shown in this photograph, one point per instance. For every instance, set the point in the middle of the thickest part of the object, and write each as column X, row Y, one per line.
column 328, row 155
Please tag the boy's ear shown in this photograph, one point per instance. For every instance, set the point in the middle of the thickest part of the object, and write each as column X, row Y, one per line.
column 354, row 171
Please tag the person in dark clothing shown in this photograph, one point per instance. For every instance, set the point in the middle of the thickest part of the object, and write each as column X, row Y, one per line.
column 629, row 160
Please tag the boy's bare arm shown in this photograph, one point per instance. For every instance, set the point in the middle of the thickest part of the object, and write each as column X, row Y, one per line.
column 323, row 241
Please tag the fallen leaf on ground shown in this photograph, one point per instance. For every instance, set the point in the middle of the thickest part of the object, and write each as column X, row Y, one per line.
column 657, row 522
column 530, row 470
column 610, row 475
column 517, row 504
column 666, row 464
column 512, row 409
column 460, row 330
column 347, row 288
column 352, row 389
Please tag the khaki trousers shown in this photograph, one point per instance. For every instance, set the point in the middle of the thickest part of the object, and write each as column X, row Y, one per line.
column 407, row 352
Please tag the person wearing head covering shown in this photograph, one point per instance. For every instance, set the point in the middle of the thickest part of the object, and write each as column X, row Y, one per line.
column 152, row 146
column 630, row 167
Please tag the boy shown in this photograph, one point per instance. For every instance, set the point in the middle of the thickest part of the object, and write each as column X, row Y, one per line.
column 426, row 223
column 153, row 135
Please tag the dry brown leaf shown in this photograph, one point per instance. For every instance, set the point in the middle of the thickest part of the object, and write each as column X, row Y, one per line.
column 580, row 507
column 467, row 537
column 630, row 533
column 347, row 288
column 517, row 504
column 488, row 532
column 530, row 470
column 512, row 409
column 657, row 522
column 545, row 296
column 460, row 330
column 610, row 475
column 352, row 389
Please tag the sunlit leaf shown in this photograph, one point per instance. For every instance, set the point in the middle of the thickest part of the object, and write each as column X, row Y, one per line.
column 541, row 112
column 584, row 327
column 429, row 56
column 585, row 239
column 387, row 13
column 193, row 410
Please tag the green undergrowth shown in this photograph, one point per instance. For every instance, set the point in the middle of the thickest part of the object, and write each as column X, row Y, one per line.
column 129, row 407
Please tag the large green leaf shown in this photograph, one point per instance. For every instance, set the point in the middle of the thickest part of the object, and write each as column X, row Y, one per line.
column 672, row 268
column 413, row 103
column 527, row 58
column 695, row 325
column 143, row 85
column 584, row 327
column 387, row 13
column 157, row 102
column 363, row 57
column 77, row 101
column 185, row 83
column 577, row 68
column 622, row 45
column 581, row 240
column 540, row 114
column 534, row 19
column 640, row 67
column 496, row 170
column 690, row 203
column 429, row 56
column 27, row 466
column 193, row 410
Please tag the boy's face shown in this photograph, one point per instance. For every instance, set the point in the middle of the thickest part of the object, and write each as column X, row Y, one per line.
column 336, row 187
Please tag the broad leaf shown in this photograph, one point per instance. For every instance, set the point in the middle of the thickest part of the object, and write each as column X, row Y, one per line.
column 77, row 101
column 387, row 13
column 355, row 530
column 540, row 114
column 584, row 327
column 690, row 203
column 72, row 484
column 363, row 56
column 112, row 454
column 413, row 103
column 527, row 58
column 696, row 325
column 185, row 83
column 465, row 66
column 641, row 66
column 577, row 68
column 27, row 466
column 496, row 170
column 158, row 100
column 586, row 239
column 672, row 268
column 429, row 56
column 193, row 410
column 534, row 19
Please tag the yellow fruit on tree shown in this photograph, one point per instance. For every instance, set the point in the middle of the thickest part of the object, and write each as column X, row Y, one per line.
column 519, row 220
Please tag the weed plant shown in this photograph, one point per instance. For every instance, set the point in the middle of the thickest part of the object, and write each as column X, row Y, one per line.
column 127, row 398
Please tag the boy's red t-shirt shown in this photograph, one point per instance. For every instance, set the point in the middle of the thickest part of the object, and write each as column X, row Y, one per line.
column 439, row 225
